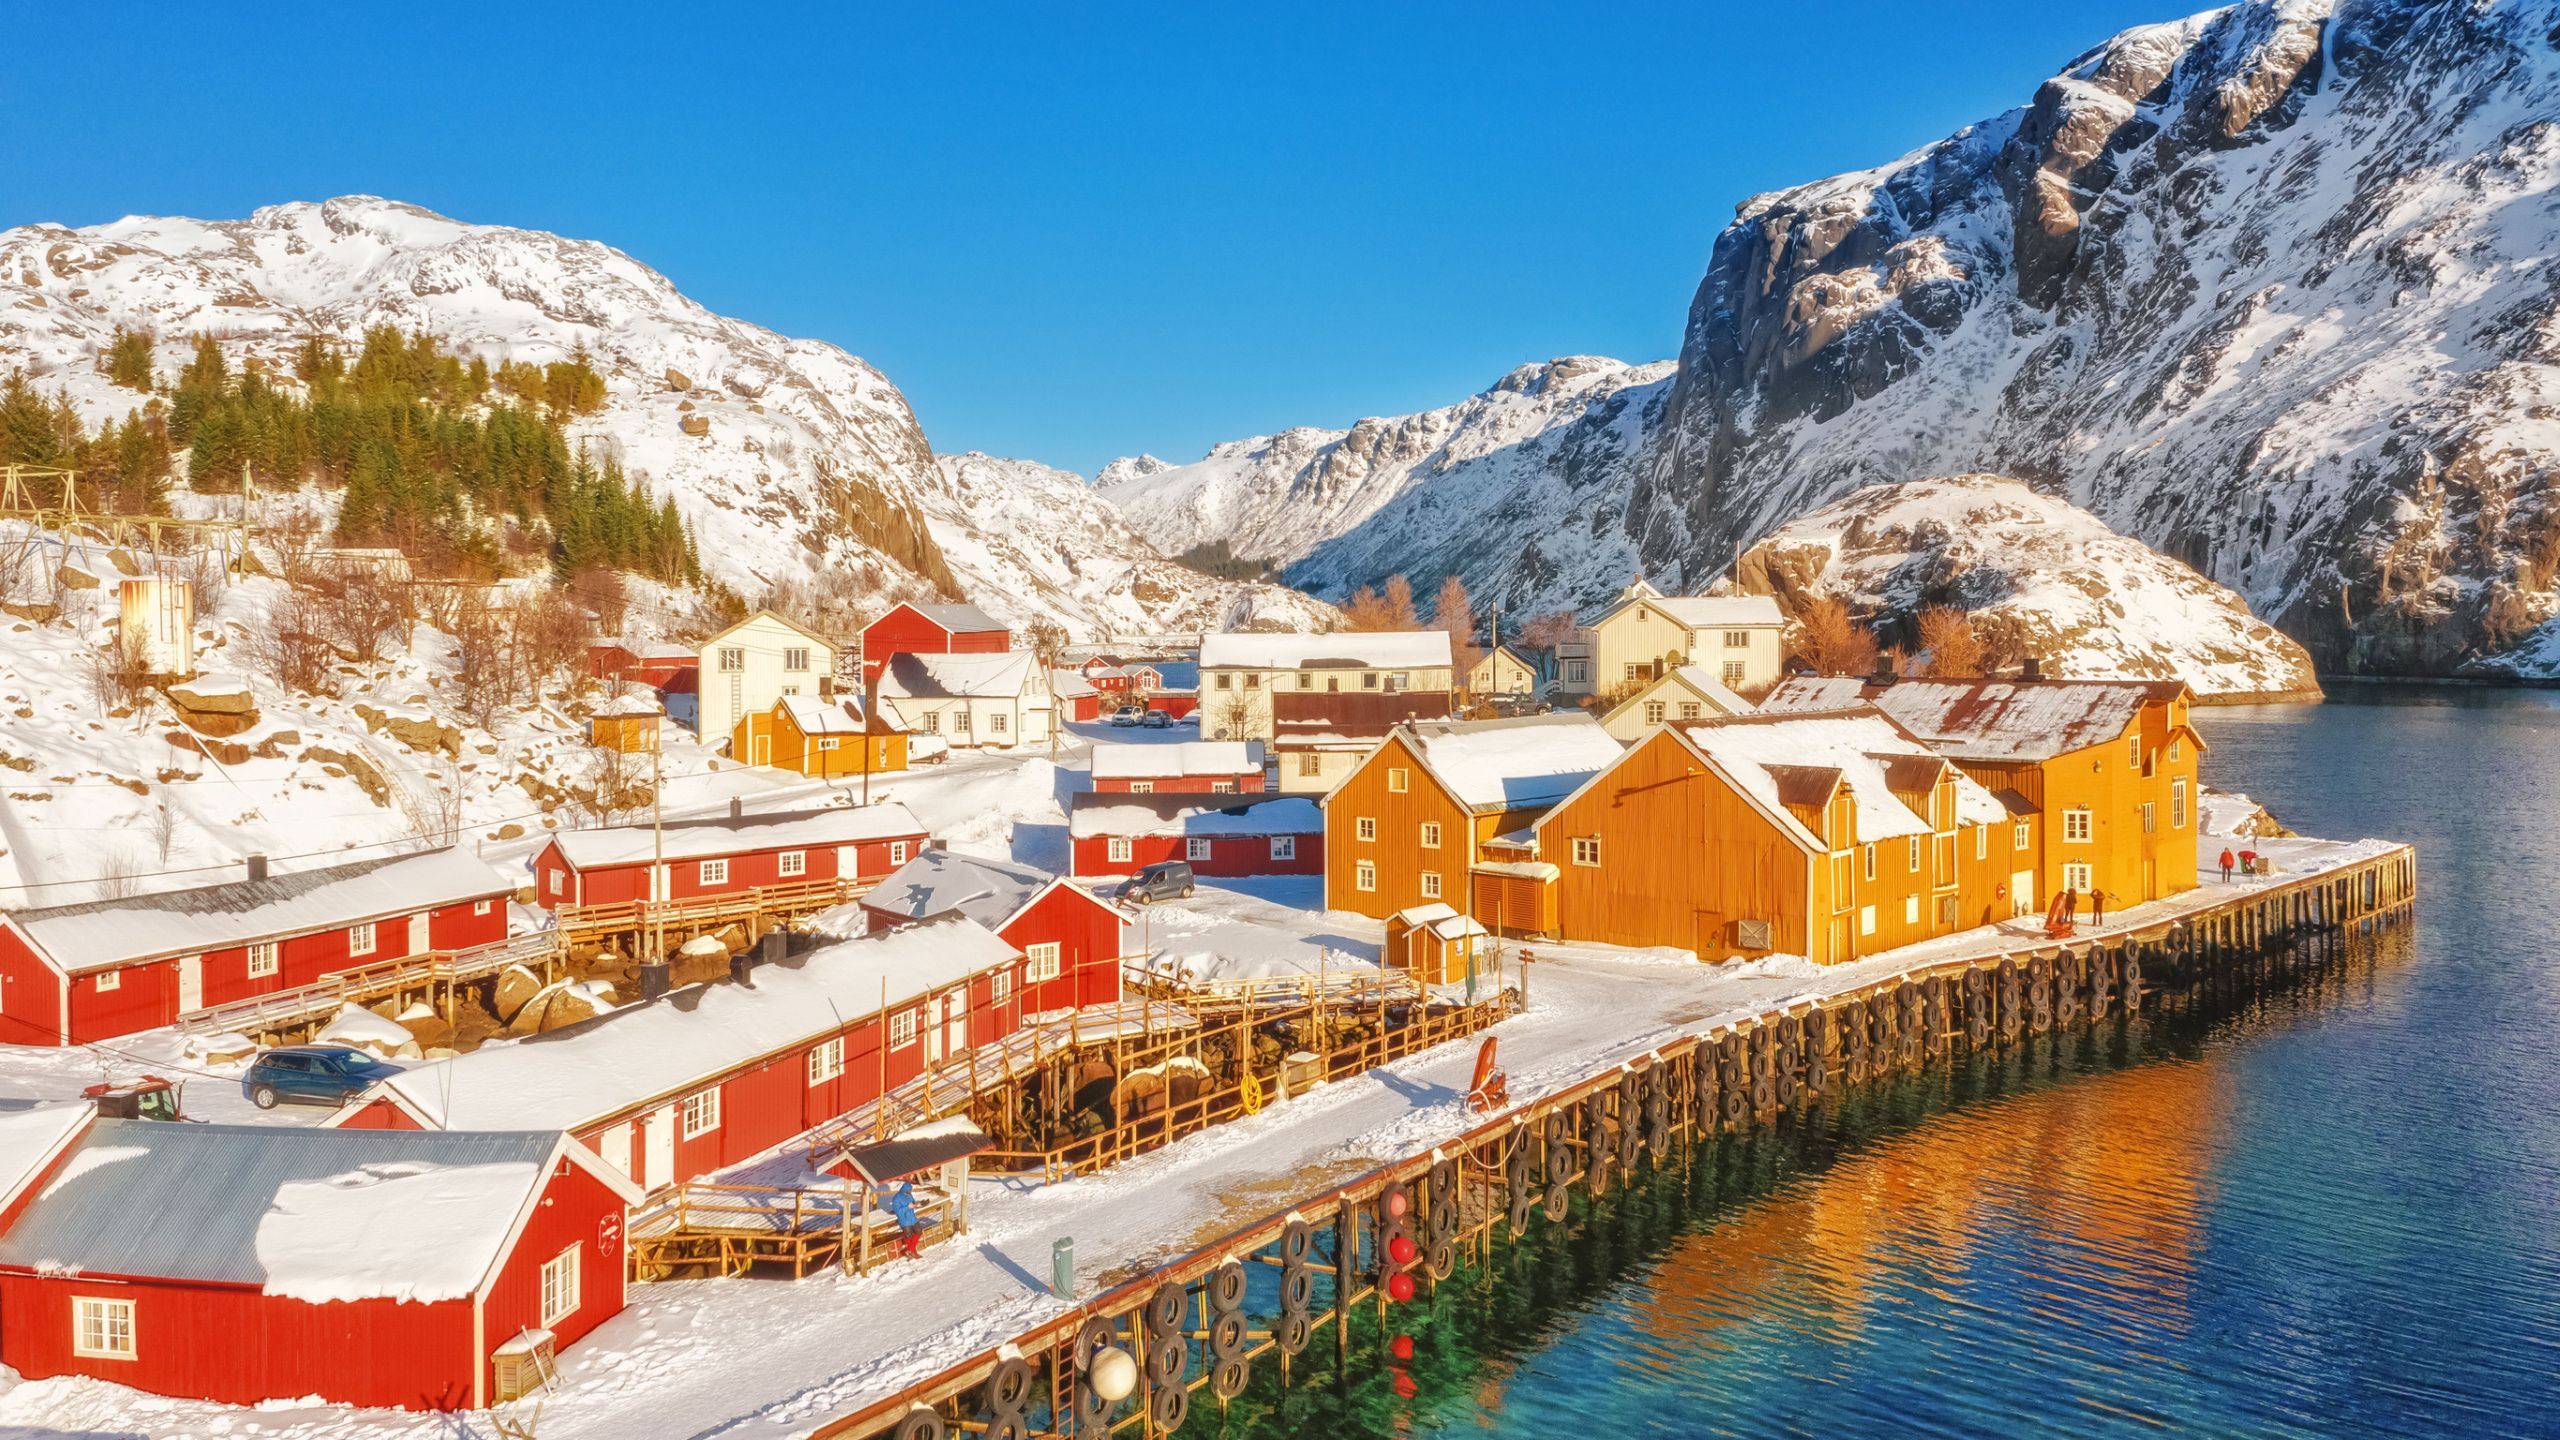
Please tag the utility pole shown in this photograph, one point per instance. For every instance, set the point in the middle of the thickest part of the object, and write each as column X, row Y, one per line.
column 657, row 848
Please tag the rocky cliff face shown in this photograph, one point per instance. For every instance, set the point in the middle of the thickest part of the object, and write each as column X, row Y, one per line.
column 2039, row 577
column 795, row 462
column 2269, row 289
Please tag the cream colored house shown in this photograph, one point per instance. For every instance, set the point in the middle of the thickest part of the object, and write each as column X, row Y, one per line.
column 1502, row 672
column 1003, row 699
column 747, row 668
column 1687, row 693
column 1239, row 674
column 1737, row 639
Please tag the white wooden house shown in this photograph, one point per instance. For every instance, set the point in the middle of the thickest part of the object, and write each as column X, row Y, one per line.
column 751, row 665
column 1001, row 699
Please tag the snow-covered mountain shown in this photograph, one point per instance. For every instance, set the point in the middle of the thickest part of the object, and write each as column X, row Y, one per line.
column 1523, row 483
column 2039, row 577
column 810, row 469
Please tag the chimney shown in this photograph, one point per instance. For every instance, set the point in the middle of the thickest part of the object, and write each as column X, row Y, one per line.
column 2032, row 670
column 257, row 867
column 1884, row 672
column 737, row 808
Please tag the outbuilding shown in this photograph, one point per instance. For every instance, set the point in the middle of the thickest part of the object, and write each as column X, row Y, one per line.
column 910, row 628
column 848, row 845
column 1437, row 945
column 1219, row 835
column 1197, row 767
column 821, row 739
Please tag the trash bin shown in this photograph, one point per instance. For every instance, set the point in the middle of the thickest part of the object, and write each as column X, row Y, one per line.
column 1062, row 1268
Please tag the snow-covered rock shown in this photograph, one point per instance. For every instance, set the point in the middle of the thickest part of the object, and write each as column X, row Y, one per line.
column 794, row 461
column 2040, row 577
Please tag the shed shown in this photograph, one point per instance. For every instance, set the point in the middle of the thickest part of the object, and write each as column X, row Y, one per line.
column 1227, row 835
column 1070, row 938
column 819, row 738
column 1437, row 945
column 628, row 724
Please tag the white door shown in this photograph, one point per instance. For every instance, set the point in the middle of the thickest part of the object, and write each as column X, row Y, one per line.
column 658, row 882
column 955, row 1022
column 418, row 944
column 190, row 983
column 615, row 1146
column 657, row 1148
column 2022, row 893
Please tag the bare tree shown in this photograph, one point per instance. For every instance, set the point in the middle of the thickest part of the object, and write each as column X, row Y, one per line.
column 605, row 595
column 1452, row 611
column 120, row 875
column 291, row 646
column 117, row 671
column 1947, row 634
column 164, row 824
column 360, row 606
column 485, row 673
column 20, row 547
column 552, row 632
column 1831, row 640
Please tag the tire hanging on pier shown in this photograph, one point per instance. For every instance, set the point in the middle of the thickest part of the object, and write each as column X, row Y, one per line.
column 1168, row 1407
column 1009, row 1386
column 922, row 1424
column 1228, row 1378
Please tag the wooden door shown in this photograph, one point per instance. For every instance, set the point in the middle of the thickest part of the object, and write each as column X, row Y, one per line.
column 657, row 1148
column 760, row 749
column 2022, row 893
column 615, row 1146
column 190, row 983
column 418, row 942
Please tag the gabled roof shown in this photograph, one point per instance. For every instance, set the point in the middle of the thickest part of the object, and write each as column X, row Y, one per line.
column 33, row 1138
column 941, row 882
column 738, row 835
column 316, row 1215
column 1187, row 757
column 1701, row 612
column 1440, row 920
column 795, row 626
column 1339, row 650
column 1988, row 720
column 1070, row 684
column 1091, row 814
column 1511, row 764
column 959, row 619
column 1002, row 675
column 1695, row 680
column 569, row 1078
column 103, row 934
column 843, row 716
column 1762, row 756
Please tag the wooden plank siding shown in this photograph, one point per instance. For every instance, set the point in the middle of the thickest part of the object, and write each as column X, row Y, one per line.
column 1395, row 848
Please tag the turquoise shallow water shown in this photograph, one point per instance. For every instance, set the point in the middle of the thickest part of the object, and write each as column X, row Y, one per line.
column 2335, row 1211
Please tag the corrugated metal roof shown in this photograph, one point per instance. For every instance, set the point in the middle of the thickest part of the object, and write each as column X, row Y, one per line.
column 185, row 1201
column 958, row 618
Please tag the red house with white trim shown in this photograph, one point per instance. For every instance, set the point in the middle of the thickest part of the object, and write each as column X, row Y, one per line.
column 610, row 865
column 913, row 629
column 721, row 1072
column 1070, row 938
column 1268, row 834
column 103, row 968
column 1190, row 767
column 245, row 1263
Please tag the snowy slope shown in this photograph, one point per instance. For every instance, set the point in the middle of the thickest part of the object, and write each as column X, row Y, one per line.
column 813, row 470
column 1518, row 489
column 2039, row 576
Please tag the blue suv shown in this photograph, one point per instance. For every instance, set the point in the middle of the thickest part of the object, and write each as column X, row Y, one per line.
column 311, row 1075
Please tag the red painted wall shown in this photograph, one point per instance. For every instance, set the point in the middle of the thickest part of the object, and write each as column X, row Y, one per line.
column 1087, row 932
column 904, row 631
column 1245, row 782
column 1174, row 704
column 30, row 994
column 1083, row 707
column 575, row 1209
column 1228, row 855
column 619, row 884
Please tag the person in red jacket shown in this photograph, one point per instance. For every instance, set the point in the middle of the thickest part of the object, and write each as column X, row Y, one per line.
column 2226, row 864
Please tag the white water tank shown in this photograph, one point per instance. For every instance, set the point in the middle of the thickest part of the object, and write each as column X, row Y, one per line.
column 159, row 624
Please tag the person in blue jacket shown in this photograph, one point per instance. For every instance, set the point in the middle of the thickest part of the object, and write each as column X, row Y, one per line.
column 902, row 1208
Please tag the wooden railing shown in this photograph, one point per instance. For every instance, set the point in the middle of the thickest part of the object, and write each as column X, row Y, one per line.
column 578, row 922
column 359, row 983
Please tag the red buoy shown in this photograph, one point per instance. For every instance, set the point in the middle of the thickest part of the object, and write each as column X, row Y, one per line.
column 1399, row 1286
column 1402, row 1250
column 1401, row 1347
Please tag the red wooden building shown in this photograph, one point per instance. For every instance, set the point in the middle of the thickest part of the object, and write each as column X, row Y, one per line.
column 245, row 1263
column 104, row 968
column 1269, row 834
column 610, row 865
column 1065, row 932
column 1191, row 767
column 641, row 663
column 912, row 629
column 717, row 1073
column 1076, row 696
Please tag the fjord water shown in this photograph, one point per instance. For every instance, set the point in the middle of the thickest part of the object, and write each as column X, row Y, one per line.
column 2331, row 1211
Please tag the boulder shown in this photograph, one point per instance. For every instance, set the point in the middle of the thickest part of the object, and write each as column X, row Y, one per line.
column 677, row 380
column 565, row 1003
column 363, row 1030
column 73, row 578
column 425, row 1026
column 40, row 613
column 704, row 957
column 418, row 729
column 516, row 985
column 214, row 694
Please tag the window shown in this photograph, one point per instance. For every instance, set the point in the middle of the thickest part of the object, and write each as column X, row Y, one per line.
column 2133, row 751
column 2021, row 835
column 1586, row 849
column 1142, row 787
column 1044, row 961
column 826, row 1061
column 827, row 742
column 1222, row 787
column 1577, row 672
column 1634, row 674
column 480, row 907
column 262, row 956
column 732, row 659
column 1226, row 681
column 1400, row 680
column 1368, row 679
column 796, row 658
column 701, row 1113
column 1310, row 763
column 794, row 862
column 1689, row 710
column 1866, row 919
column 1395, row 780
column 114, row 980
column 2075, row 876
column 1430, row 834
column 1252, row 680
column 713, row 872
column 560, row 1287
column 933, row 722
column 960, row 721
column 1915, row 854
column 1737, row 639
column 1284, row 847
column 1366, row 827
column 902, row 1029
column 1196, row 849
column 1910, row 909
column 360, row 939
column 1120, row 848
column 1840, row 880
column 1000, row 984
column 1653, row 712
column 1867, row 861
column 2177, row 803
column 2173, row 752
column 2150, row 821
column 1981, row 842
column 897, row 852
column 2076, row 826
column 996, row 723
column 1430, row 884
column 1733, row 672
column 1364, row 876
column 1306, row 681
column 102, row 1329
column 790, row 689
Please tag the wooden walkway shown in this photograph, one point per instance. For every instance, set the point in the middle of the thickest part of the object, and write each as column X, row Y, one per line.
column 715, row 1229
column 434, row 973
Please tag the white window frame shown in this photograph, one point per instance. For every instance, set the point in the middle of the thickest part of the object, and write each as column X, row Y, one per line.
column 711, row 872
column 111, row 1321
column 1222, row 787
column 1653, row 712
column 559, row 883
column 1121, row 849
column 2022, row 834
column 699, row 1113
column 2133, row 752
column 2077, row 876
column 1396, row 780
column 1690, row 710
column 1364, row 875
column 1430, row 834
column 826, row 1060
column 791, row 862
column 2177, row 803
column 1365, row 827
column 898, row 852
column 1310, row 763
column 1284, row 847
column 1733, row 672
column 481, row 907
column 1586, row 851
column 2078, row 825
column 732, row 659
column 795, row 658
column 1981, row 842
column 996, row 723
column 902, row 1029
column 1915, row 855
column 1142, row 787
column 1737, row 639
column 1867, row 860
column 361, row 939
column 828, row 742
column 560, row 1287
column 266, row 956
column 1196, row 848
column 1000, row 984
column 1866, row 920
column 1430, row 884
column 1041, row 962
column 109, row 980
column 1910, row 909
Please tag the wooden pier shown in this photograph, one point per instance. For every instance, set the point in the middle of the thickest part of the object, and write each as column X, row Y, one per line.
column 1406, row 1226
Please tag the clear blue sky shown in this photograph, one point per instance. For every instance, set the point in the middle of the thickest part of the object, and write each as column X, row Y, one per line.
column 1067, row 232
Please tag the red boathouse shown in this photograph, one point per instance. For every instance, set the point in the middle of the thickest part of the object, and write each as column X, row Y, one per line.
column 912, row 629
column 1269, row 834
column 1070, row 939
column 610, row 866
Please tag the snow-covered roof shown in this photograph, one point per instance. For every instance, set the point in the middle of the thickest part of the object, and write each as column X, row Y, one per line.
column 812, row 716
column 31, row 1139
column 1696, row 680
column 956, row 618
column 941, row 882
column 566, row 1079
column 1440, row 920
column 1714, row 612
column 316, row 1215
column 1188, row 757
column 644, row 705
column 103, row 934
column 1515, row 763
column 699, row 839
column 1339, row 650
column 1070, row 684
column 1987, row 719
column 1790, row 760
column 1091, row 814
column 803, row 631
column 1004, row 674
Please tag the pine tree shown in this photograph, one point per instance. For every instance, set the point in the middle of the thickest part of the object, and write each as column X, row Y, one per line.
column 129, row 359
